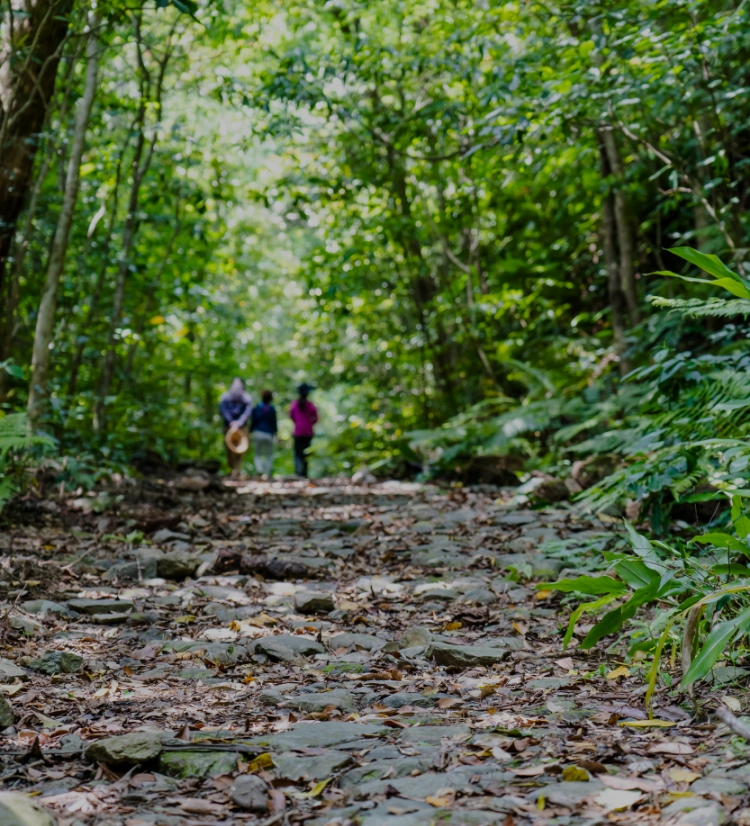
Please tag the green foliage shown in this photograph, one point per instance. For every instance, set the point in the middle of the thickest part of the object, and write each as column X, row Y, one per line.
column 15, row 442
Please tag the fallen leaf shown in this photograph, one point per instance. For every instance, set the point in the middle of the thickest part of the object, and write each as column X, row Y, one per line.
column 647, row 723
column 528, row 771
column 262, row 761
column 449, row 702
column 575, row 774
column 453, row 626
column 616, row 781
column 621, row 671
column 10, row 690
column 680, row 775
column 732, row 703
column 617, row 799
column 670, row 747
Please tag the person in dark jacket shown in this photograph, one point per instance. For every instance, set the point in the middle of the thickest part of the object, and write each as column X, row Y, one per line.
column 264, row 429
column 235, row 407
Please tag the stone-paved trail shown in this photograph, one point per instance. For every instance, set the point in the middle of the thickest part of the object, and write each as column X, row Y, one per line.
column 328, row 654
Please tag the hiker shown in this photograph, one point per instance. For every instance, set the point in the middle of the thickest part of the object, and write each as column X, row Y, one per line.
column 235, row 407
column 304, row 414
column 263, row 427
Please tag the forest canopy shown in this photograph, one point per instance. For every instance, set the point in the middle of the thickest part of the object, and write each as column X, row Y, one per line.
column 453, row 218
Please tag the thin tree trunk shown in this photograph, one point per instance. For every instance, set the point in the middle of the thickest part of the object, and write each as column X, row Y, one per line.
column 99, row 284
column 34, row 32
column 140, row 168
column 610, row 259
column 45, row 322
column 624, row 228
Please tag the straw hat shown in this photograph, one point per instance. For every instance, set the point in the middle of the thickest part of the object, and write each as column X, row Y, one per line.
column 236, row 440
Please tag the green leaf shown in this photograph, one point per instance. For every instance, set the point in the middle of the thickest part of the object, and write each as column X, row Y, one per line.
column 640, row 544
column 721, row 540
column 740, row 521
column 713, row 648
column 635, row 572
column 711, row 264
column 586, row 607
column 590, row 585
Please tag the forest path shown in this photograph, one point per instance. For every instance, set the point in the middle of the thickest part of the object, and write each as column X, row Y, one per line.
column 367, row 655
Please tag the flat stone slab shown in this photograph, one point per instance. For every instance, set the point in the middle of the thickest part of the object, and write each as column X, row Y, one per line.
column 100, row 606
column 294, row 767
column 319, row 701
column 127, row 748
column 320, row 735
column 466, row 656
column 314, row 602
column 275, row 645
column 21, row 810
column 432, row 735
column 367, row 642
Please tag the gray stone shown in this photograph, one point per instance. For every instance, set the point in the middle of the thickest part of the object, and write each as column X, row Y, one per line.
column 44, row 606
column 340, row 699
column 57, row 662
column 718, row 785
column 136, row 570
column 403, row 766
column 568, row 794
column 479, row 596
column 27, row 626
column 320, row 735
column 6, row 713
column 177, row 565
column 444, row 594
column 548, row 683
column 416, row 636
column 416, row 787
column 10, row 671
column 367, row 642
column 165, row 535
column 137, row 747
column 403, row 698
column 100, row 606
column 467, row 656
column 432, row 735
column 292, row 767
column 299, row 645
column 197, row 763
column 221, row 653
column 249, row 792
column 313, row 602
column 21, row 810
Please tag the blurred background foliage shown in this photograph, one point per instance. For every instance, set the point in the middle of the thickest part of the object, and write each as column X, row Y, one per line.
column 445, row 215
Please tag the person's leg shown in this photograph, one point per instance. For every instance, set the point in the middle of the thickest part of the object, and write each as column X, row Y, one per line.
column 301, row 444
column 299, row 456
column 269, row 456
column 258, row 453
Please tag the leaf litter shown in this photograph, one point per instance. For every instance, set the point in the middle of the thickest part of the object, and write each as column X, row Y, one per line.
column 328, row 653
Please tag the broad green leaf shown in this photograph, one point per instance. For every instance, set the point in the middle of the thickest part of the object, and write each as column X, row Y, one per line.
column 635, row 572
column 710, row 652
column 734, row 287
column 711, row 264
column 721, row 540
column 740, row 521
column 653, row 672
column 640, row 544
column 590, row 585
column 586, row 608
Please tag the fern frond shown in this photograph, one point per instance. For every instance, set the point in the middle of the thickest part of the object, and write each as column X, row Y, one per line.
column 698, row 308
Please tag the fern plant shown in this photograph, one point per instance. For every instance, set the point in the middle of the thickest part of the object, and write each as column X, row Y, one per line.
column 15, row 440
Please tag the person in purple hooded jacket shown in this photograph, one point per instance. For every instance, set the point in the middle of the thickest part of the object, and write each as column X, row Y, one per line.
column 235, row 407
column 304, row 414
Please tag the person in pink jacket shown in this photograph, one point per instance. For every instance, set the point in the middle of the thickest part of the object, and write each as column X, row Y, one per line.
column 304, row 414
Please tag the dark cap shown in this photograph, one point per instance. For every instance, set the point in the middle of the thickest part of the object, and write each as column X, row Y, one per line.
column 305, row 388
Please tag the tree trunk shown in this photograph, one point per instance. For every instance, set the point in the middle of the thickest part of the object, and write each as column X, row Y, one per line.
column 45, row 322
column 33, row 38
column 624, row 229
column 610, row 257
column 140, row 167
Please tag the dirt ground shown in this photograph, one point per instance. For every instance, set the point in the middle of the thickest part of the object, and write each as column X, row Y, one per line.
column 326, row 653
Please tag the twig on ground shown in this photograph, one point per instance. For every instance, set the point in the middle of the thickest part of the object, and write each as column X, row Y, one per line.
column 736, row 725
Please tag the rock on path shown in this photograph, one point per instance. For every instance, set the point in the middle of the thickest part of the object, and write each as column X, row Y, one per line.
column 409, row 675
